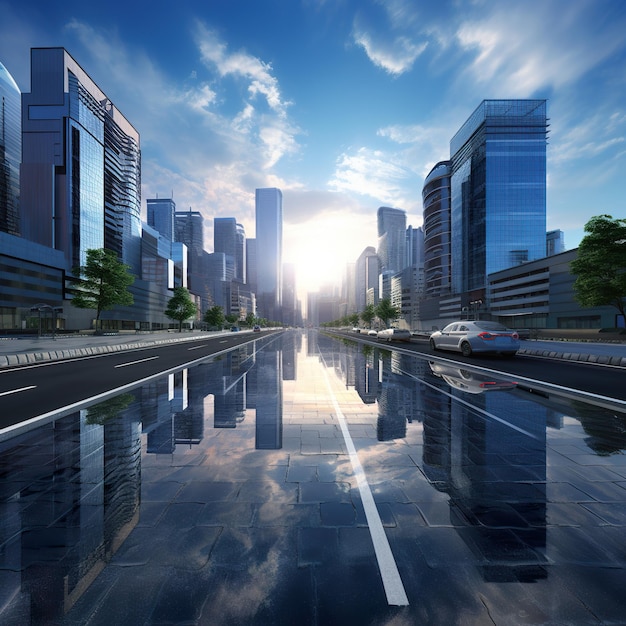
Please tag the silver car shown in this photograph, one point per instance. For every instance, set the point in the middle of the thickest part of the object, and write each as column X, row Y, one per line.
column 394, row 334
column 480, row 336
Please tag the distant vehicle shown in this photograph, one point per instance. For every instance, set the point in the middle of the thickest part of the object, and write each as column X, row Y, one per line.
column 356, row 330
column 257, row 329
column 468, row 381
column 234, row 329
column 372, row 333
column 480, row 336
column 394, row 334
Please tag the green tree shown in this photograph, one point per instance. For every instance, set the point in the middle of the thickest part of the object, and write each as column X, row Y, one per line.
column 214, row 317
column 385, row 311
column 180, row 307
column 250, row 319
column 353, row 319
column 232, row 318
column 103, row 282
column 600, row 266
column 368, row 314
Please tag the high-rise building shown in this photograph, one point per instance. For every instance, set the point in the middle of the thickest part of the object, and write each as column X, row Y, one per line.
column 555, row 242
column 161, row 213
column 498, row 190
column 189, row 229
column 269, row 248
column 367, row 270
column 240, row 254
column 250, row 261
column 81, row 173
column 391, row 246
column 10, row 152
column 436, row 203
column 225, row 240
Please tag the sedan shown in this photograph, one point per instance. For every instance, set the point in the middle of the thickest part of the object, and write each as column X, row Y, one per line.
column 480, row 336
column 372, row 333
column 394, row 334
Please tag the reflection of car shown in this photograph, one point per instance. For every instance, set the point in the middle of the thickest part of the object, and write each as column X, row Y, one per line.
column 234, row 329
column 394, row 334
column 372, row 333
column 466, row 380
column 257, row 329
column 479, row 336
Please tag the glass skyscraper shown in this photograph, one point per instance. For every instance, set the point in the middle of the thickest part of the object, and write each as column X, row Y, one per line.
column 10, row 152
column 269, row 250
column 229, row 238
column 81, row 172
column 498, row 190
column 160, row 213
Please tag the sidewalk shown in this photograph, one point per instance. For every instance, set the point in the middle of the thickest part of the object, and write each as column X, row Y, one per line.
column 20, row 351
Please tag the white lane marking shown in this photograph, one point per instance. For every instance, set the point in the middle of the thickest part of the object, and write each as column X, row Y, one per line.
column 224, row 341
column 6, row 393
column 151, row 358
column 196, row 347
column 394, row 588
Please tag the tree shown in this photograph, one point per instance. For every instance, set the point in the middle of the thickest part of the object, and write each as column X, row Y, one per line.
column 353, row 319
column 368, row 314
column 214, row 317
column 385, row 311
column 180, row 306
column 103, row 282
column 250, row 319
column 600, row 266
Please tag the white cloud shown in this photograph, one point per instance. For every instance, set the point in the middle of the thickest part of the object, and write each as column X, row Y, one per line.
column 395, row 56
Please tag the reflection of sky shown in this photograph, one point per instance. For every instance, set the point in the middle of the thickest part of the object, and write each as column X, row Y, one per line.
column 234, row 474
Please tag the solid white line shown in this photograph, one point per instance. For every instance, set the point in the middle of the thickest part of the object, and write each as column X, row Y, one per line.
column 196, row 347
column 6, row 393
column 151, row 358
column 394, row 588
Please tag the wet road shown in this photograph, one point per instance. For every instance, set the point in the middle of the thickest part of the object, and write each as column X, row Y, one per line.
column 305, row 480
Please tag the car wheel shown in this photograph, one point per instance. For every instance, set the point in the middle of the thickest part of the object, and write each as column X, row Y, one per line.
column 433, row 345
column 466, row 349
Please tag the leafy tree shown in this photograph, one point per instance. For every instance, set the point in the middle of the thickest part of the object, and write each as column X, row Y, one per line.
column 250, row 319
column 180, row 306
column 368, row 314
column 353, row 320
column 214, row 317
column 600, row 267
column 232, row 318
column 385, row 311
column 103, row 282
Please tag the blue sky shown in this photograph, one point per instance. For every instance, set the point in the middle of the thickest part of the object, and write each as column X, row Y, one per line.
column 343, row 104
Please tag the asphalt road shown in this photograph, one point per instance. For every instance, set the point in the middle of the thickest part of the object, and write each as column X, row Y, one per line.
column 34, row 390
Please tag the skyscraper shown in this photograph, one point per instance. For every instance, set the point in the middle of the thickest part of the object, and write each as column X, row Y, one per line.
column 161, row 213
column 189, row 229
column 81, row 172
column 391, row 246
column 367, row 269
column 10, row 152
column 226, row 239
column 269, row 249
column 498, row 190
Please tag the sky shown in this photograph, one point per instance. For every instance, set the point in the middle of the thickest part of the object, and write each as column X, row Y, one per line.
column 345, row 105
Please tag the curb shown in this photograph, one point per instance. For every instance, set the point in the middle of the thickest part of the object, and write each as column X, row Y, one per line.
column 28, row 358
column 601, row 359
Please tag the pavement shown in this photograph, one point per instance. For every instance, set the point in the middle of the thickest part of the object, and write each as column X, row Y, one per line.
column 28, row 350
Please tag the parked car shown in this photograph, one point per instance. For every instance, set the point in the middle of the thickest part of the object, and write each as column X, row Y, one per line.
column 356, row 330
column 372, row 333
column 257, row 329
column 234, row 329
column 480, row 336
column 394, row 334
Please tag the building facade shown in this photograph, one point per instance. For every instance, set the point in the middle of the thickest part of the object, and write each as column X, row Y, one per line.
column 269, row 252
column 498, row 190
column 160, row 214
column 10, row 152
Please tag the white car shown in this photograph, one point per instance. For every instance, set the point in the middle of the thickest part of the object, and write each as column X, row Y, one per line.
column 394, row 334
column 480, row 336
column 372, row 333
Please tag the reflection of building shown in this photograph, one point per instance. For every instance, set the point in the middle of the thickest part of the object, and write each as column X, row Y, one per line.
column 495, row 473
column 269, row 399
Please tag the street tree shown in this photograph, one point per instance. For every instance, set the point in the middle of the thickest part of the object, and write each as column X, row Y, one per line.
column 386, row 311
column 232, row 318
column 180, row 307
column 102, row 283
column 214, row 317
column 353, row 319
column 600, row 266
column 368, row 314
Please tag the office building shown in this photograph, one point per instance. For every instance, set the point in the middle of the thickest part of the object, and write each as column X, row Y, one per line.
column 225, row 240
column 269, row 252
column 10, row 152
column 80, row 178
column 366, row 278
column 189, row 229
column 498, row 190
column 160, row 213
column 555, row 242
column 437, row 251
column 391, row 246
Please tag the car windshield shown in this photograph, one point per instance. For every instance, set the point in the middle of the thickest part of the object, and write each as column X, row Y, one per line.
column 490, row 326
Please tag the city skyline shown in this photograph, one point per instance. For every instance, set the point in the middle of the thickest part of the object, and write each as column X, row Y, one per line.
column 344, row 107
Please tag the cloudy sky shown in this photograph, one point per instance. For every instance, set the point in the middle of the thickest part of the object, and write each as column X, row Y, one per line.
column 345, row 105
